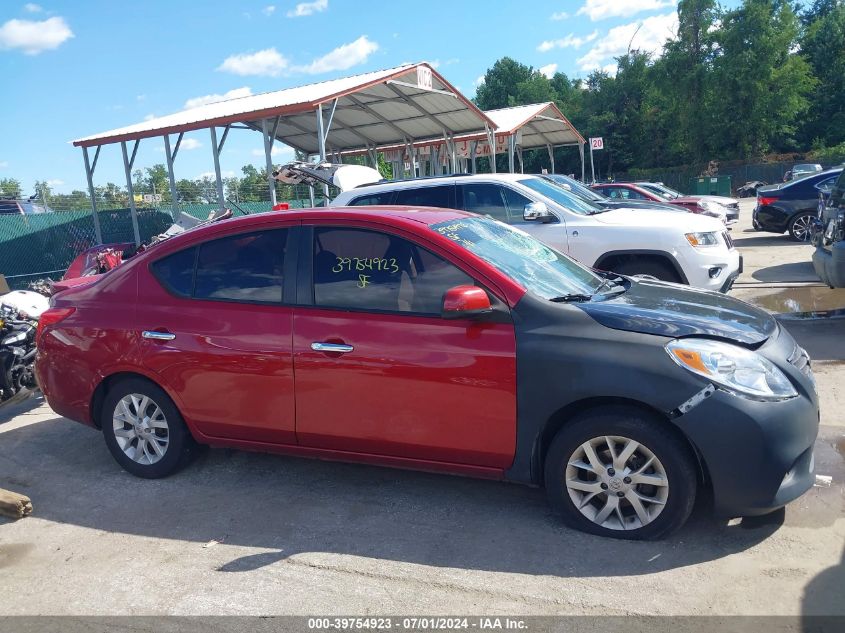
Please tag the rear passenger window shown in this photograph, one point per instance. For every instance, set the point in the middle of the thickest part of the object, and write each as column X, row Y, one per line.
column 176, row 272
column 245, row 267
column 373, row 199
column 442, row 196
column 485, row 199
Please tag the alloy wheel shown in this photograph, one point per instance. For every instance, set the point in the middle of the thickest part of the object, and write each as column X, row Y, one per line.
column 140, row 428
column 801, row 228
column 617, row 482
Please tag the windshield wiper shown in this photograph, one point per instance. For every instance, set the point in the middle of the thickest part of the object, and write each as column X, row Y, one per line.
column 571, row 298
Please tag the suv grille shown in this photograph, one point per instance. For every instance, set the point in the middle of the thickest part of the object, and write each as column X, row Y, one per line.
column 728, row 240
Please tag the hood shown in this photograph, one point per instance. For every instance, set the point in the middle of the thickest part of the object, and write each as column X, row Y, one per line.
column 344, row 177
column 27, row 302
column 664, row 309
column 683, row 222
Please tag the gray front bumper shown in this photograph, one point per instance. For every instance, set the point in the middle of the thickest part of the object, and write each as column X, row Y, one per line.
column 830, row 264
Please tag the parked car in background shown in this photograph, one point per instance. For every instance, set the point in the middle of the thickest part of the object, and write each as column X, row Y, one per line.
column 630, row 191
column 792, row 206
column 829, row 238
column 804, row 169
column 677, row 247
column 731, row 204
column 591, row 195
column 437, row 340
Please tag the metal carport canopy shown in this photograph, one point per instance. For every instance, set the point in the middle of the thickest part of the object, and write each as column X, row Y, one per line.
column 394, row 106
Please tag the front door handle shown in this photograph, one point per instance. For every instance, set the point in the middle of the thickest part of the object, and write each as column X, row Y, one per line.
column 337, row 348
column 158, row 336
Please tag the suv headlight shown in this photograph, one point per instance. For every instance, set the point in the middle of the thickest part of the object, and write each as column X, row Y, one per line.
column 735, row 369
column 703, row 239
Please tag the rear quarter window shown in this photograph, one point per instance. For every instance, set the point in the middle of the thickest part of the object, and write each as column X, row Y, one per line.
column 385, row 197
column 439, row 196
column 176, row 272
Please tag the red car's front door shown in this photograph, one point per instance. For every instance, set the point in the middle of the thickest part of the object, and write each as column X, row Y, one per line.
column 379, row 371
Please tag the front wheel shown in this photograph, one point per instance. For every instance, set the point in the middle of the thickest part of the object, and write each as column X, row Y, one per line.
column 144, row 430
column 621, row 473
column 801, row 227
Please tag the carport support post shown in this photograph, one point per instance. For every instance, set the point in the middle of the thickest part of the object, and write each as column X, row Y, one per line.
column 132, row 210
column 472, row 149
column 551, row 151
column 511, row 150
column 89, row 173
column 321, row 140
column 592, row 166
column 268, row 158
column 218, row 180
column 491, row 138
column 174, row 200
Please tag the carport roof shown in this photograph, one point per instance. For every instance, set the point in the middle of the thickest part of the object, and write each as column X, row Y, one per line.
column 541, row 124
column 384, row 107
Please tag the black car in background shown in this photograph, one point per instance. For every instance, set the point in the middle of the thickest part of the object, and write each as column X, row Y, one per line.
column 792, row 206
column 829, row 238
column 591, row 195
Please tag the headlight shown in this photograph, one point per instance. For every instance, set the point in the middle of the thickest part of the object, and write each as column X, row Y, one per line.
column 712, row 208
column 735, row 369
column 17, row 337
column 703, row 239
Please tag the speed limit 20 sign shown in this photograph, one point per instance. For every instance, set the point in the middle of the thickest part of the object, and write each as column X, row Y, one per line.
column 597, row 143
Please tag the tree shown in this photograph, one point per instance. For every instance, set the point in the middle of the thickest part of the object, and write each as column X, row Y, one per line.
column 10, row 187
column 763, row 85
column 823, row 46
column 503, row 82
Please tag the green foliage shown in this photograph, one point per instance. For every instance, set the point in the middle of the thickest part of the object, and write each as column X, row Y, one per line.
column 10, row 187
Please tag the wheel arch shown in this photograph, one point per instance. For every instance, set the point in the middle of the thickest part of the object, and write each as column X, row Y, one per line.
column 565, row 414
column 611, row 257
column 107, row 381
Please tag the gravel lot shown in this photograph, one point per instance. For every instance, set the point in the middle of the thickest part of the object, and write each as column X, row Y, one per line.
column 241, row 533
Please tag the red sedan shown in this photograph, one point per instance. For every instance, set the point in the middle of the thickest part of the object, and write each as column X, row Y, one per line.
column 631, row 191
column 440, row 340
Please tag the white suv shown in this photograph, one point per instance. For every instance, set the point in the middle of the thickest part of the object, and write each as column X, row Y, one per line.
column 669, row 245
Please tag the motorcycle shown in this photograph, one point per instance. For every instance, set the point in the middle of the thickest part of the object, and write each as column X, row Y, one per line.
column 19, row 312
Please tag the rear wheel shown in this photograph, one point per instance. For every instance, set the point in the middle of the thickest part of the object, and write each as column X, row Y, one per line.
column 649, row 268
column 800, row 227
column 618, row 472
column 144, row 430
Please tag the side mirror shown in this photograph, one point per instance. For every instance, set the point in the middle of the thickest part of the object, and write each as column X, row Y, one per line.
column 462, row 302
column 536, row 211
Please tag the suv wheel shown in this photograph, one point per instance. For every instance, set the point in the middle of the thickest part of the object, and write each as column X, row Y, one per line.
column 800, row 227
column 618, row 472
column 144, row 430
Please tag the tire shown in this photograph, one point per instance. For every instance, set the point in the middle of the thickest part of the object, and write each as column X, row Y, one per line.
column 659, row 455
column 800, row 227
column 651, row 267
column 154, row 445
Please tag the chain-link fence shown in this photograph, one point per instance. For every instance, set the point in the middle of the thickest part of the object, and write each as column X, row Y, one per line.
column 680, row 178
column 34, row 245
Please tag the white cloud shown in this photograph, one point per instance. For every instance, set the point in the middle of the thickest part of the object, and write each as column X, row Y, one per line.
column 269, row 10
column 308, row 8
column 561, row 15
column 341, row 58
column 648, row 35
column 189, row 144
column 478, row 80
column 34, row 37
column 224, row 173
column 31, row 7
column 278, row 150
column 55, row 182
column 4, row 164
column 548, row 70
column 140, row 97
column 570, row 41
column 603, row 9
column 149, row 117
column 268, row 62
column 214, row 98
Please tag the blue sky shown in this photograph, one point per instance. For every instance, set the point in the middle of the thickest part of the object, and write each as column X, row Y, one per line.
column 76, row 68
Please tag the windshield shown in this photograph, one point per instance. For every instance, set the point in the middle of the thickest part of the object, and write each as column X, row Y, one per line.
column 561, row 196
column 577, row 188
column 660, row 190
column 539, row 269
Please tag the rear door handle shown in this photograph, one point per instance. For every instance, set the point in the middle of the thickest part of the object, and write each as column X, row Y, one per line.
column 338, row 348
column 158, row 336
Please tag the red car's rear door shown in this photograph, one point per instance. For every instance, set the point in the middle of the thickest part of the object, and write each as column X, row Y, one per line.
column 379, row 371
column 218, row 334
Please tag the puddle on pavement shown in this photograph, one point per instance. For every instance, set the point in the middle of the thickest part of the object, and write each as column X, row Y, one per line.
column 804, row 299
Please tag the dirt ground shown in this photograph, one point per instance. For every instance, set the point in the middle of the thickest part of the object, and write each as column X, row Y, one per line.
column 241, row 533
